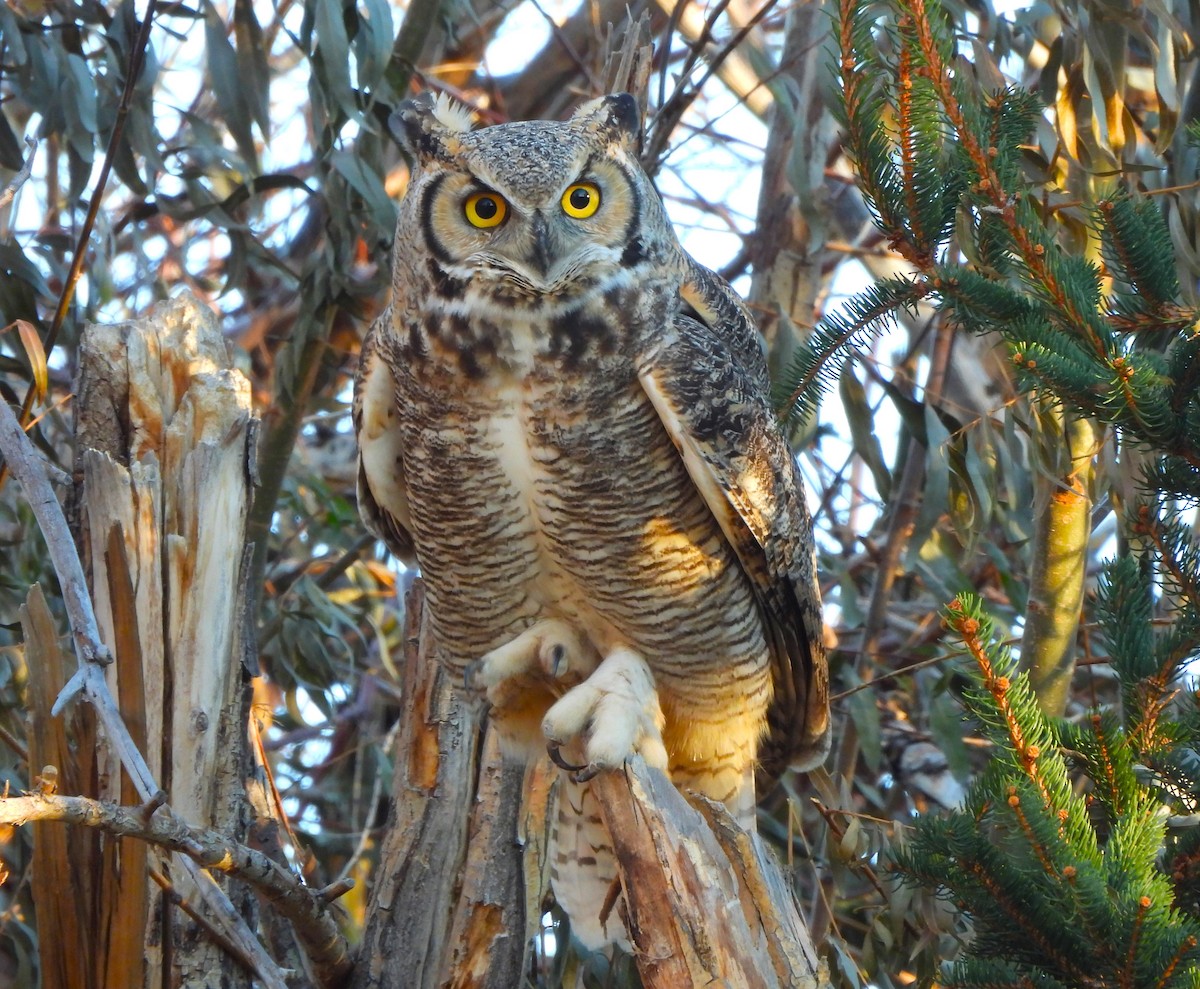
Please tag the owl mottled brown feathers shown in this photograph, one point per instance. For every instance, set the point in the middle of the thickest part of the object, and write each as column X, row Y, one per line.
column 563, row 419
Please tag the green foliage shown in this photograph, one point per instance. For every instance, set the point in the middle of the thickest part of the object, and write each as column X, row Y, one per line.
column 1072, row 855
column 1065, row 885
column 943, row 168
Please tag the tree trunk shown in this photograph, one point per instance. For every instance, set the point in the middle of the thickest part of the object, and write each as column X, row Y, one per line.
column 448, row 904
column 163, row 434
column 455, row 906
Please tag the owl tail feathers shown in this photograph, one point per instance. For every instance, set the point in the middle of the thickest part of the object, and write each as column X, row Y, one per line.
column 583, row 870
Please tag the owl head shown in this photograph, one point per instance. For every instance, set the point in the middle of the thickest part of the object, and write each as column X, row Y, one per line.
column 544, row 205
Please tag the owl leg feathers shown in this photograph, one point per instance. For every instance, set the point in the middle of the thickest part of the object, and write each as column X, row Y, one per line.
column 612, row 714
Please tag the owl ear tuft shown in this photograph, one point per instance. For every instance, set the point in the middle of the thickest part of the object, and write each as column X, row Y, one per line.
column 618, row 115
column 424, row 125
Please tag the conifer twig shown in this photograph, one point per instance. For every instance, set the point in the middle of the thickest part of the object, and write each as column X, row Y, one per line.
column 968, row 629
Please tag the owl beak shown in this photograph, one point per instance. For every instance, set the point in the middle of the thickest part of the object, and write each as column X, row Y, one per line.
column 539, row 256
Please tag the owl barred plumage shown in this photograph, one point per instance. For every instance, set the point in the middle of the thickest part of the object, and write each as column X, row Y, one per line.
column 563, row 420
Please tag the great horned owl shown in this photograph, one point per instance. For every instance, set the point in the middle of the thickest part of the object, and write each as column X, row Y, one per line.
column 563, row 419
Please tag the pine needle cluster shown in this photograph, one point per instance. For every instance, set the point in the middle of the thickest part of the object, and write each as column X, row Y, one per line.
column 1093, row 884
column 941, row 165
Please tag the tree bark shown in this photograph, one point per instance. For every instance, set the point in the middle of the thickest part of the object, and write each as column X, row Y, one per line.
column 463, row 868
column 1058, row 568
column 448, row 904
column 706, row 902
column 163, row 431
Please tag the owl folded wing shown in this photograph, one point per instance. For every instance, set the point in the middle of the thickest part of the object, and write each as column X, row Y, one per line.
column 382, row 493
column 717, row 413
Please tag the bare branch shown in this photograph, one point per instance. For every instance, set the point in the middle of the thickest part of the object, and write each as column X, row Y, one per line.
column 306, row 908
column 22, row 459
column 24, row 462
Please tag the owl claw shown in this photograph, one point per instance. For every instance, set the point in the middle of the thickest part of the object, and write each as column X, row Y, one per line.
column 556, row 757
column 614, row 713
column 471, row 674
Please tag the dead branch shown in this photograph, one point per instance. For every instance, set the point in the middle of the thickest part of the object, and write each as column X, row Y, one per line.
column 706, row 903
column 89, row 681
column 306, row 908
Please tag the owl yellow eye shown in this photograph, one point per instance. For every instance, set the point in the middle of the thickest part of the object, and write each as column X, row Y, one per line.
column 581, row 200
column 485, row 209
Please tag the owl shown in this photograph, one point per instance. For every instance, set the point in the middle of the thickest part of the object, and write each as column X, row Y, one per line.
column 563, row 419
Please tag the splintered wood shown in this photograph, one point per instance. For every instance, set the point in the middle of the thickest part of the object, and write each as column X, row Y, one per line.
column 163, row 433
column 705, row 902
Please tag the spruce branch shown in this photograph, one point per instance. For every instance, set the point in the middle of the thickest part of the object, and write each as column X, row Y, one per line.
column 1175, row 548
column 1057, row 895
column 964, row 617
column 1142, row 261
column 816, row 365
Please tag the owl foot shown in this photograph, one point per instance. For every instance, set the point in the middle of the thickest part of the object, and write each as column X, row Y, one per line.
column 550, row 647
column 554, row 750
column 613, row 714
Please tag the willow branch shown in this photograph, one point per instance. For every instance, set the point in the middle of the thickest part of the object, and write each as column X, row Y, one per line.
column 137, row 58
column 1059, row 568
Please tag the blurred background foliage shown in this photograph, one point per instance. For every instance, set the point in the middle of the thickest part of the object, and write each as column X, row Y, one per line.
column 239, row 149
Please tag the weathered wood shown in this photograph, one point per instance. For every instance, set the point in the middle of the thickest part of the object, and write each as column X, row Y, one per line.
column 765, row 891
column 163, row 429
column 448, row 902
column 698, row 916
column 705, row 902
column 64, row 867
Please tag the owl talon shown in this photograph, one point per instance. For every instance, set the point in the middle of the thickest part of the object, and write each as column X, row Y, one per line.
column 471, row 675
column 556, row 660
column 614, row 712
column 556, row 757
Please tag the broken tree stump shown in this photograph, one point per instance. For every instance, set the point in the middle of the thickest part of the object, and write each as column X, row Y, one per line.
column 453, row 904
column 163, row 432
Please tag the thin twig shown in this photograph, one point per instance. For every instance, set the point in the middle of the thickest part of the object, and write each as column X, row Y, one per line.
column 22, row 459
column 216, row 936
column 344, row 562
column 889, row 675
column 14, row 743
column 137, row 56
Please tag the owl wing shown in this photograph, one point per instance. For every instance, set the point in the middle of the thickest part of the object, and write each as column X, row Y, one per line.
column 708, row 382
column 382, row 492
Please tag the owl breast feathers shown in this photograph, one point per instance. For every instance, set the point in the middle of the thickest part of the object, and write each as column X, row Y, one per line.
column 563, row 420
